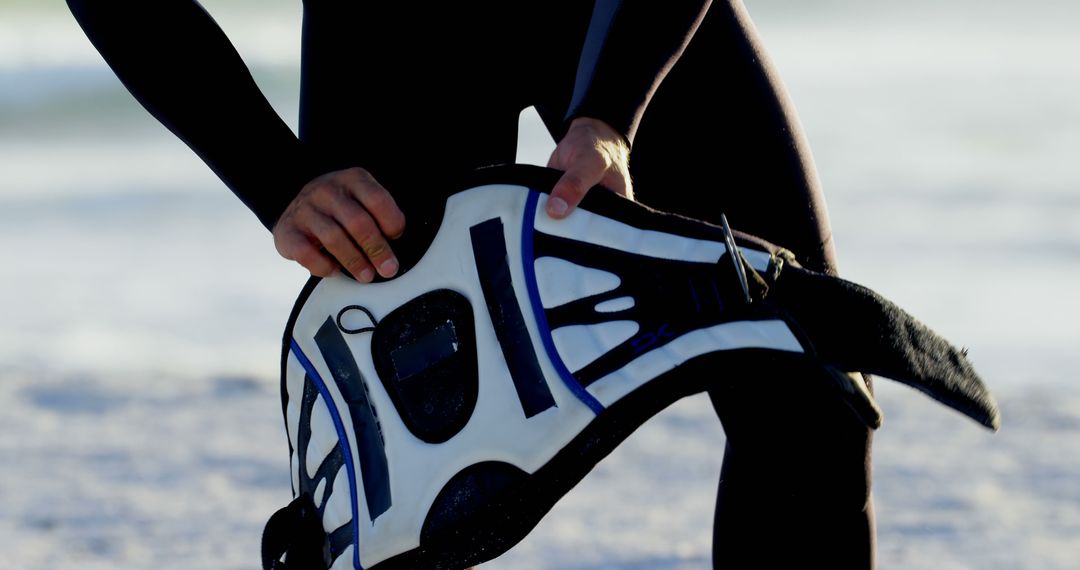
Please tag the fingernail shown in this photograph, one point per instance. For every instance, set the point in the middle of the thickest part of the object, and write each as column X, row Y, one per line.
column 556, row 206
column 388, row 267
column 367, row 275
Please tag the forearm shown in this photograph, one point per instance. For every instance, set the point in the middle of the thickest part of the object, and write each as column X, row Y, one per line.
column 176, row 61
column 629, row 48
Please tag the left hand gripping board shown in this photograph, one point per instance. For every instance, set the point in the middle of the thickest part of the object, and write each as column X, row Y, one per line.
column 435, row 418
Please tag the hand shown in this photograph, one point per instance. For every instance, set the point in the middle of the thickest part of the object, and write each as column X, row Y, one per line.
column 591, row 153
column 348, row 213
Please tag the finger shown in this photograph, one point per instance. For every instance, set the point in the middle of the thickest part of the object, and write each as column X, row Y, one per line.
column 571, row 188
column 335, row 239
column 363, row 230
column 297, row 247
column 378, row 202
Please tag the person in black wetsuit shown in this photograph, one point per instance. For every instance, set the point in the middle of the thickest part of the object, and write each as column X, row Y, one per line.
column 677, row 97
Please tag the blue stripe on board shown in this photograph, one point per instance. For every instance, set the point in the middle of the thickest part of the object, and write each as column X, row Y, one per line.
column 342, row 438
column 528, row 261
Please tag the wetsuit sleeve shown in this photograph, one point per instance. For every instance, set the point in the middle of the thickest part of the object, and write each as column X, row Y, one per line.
column 629, row 47
column 177, row 62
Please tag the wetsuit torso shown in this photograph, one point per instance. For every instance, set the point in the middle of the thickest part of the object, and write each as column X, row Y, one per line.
column 414, row 95
column 406, row 93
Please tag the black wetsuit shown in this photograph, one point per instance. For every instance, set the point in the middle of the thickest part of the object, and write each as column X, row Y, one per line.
column 414, row 94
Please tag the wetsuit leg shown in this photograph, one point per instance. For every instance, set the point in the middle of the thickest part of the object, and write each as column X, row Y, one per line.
column 721, row 136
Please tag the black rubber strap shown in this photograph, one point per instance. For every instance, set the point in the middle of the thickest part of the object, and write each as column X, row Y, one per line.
column 493, row 268
column 295, row 531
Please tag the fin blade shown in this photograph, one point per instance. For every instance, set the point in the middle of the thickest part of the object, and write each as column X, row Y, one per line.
column 854, row 328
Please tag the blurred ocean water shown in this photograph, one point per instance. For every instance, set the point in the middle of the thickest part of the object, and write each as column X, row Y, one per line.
column 143, row 304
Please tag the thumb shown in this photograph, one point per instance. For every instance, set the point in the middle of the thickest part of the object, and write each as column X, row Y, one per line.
column 570, row 189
